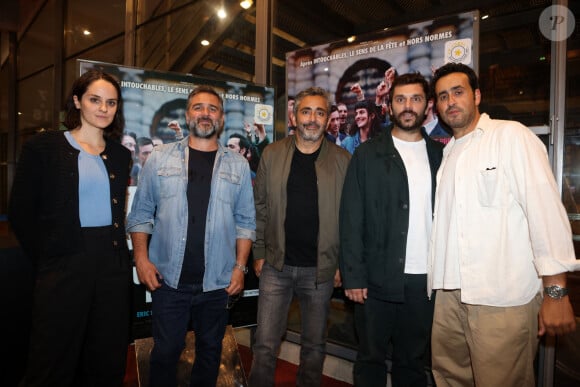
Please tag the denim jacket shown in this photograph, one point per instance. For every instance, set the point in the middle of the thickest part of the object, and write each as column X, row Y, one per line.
column 350, row 143
column 160, row 208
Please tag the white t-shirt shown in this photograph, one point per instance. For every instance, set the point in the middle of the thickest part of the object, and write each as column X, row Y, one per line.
column 414, row 155
column 446, row 273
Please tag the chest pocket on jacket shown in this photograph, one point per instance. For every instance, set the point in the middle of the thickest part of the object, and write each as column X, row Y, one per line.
column 227, row 186
column 491, row 188
column 169, row 181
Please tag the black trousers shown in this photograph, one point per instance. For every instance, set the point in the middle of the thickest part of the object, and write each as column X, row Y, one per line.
column 81, row 316
column 406, row 325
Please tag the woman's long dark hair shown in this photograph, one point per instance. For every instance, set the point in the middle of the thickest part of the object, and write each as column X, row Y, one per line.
column 371, row 109
column 73, row 116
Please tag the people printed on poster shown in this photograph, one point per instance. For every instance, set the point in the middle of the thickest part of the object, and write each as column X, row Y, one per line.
column 359, row 71
column 155, row 111
column 363, row 67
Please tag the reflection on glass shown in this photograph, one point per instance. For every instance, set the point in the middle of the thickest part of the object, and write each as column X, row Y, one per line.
column 84, row 28
column 36, row 47
column 567, row 373
column 35, row 101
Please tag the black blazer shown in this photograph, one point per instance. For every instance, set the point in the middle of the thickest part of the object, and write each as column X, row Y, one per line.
column 44, row 203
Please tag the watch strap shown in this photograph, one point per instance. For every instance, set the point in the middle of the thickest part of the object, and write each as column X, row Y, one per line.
column 555, row 291
column 243, row 268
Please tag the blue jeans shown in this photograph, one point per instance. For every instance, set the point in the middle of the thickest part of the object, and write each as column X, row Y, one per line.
column 173, row 309
column 276, row 292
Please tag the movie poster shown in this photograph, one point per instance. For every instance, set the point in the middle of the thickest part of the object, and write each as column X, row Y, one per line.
column 154, row 106
column 360, row 68
column 154, row 110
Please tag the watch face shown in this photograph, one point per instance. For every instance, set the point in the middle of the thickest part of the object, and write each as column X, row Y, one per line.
column 555, row 291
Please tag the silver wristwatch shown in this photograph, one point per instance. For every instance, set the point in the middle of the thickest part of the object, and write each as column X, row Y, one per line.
column 243, row 268
column 556, row 292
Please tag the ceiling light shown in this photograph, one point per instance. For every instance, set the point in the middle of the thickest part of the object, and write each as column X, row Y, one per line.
column 205, row 42
column 484, row 17
column 245, row 4
column 221, row 13
column 86, row 32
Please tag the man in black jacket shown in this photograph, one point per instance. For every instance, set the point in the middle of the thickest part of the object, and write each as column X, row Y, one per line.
column 385, row 225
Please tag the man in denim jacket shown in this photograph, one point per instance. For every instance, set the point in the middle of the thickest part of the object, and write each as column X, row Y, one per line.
column 195, row 201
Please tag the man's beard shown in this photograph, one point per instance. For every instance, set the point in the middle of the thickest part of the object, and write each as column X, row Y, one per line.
column 204, row 131
column 309, row 134
column 399, row 123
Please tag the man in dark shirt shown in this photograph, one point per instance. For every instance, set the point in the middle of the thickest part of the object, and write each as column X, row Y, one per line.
column 385, row 225
column 194, row 202
column 297, row 195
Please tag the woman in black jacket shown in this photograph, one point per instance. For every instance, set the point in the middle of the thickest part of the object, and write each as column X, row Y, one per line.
column 67, row 210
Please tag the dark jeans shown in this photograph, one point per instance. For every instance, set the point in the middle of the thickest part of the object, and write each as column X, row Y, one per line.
column 173, row 310
column 406, row 325
column 276, row 292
